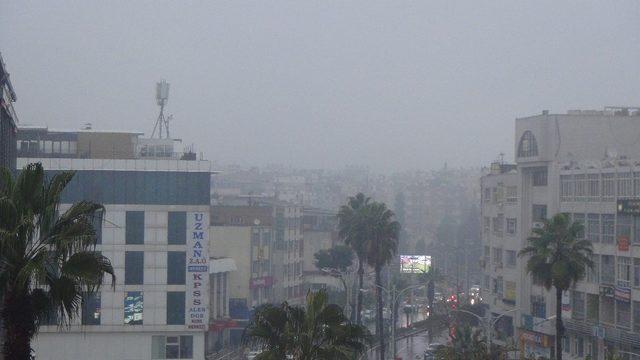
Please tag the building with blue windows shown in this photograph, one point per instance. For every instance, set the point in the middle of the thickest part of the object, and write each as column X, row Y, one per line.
column 154, row 231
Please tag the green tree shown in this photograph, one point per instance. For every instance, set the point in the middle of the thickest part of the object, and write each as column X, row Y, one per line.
column 557, row 258
column 335, row 261
column 338, row 258
column 352, row 228
column 48, row 261
column 466, row 344
column 381, row 245
column 319, row 331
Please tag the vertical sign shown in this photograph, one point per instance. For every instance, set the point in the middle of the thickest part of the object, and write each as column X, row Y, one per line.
column 197, row 296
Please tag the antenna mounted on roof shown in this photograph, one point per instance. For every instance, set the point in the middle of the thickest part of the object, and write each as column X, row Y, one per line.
column 162, row 97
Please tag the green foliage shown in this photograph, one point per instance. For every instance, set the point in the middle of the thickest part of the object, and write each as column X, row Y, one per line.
column 47, row 259
column 318, row 331
column 556, row 257
column 352, row 228
column 338, row 258
column 466, row 344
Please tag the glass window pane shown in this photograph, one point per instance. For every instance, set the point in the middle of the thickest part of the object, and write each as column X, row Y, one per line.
column 134, row 267
column 176, row 267
column 133, row 308
column 177, row 227
column 175, row 307
column 134, row 225
column 91, row 309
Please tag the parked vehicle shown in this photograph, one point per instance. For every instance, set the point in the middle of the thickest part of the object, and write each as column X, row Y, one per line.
column 432, row 351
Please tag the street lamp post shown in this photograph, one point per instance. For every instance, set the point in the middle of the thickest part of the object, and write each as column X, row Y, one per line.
column 395, row 296
column 487, row 322
column 340, row 276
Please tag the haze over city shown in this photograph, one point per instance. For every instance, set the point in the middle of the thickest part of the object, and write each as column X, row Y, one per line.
column 388, row 85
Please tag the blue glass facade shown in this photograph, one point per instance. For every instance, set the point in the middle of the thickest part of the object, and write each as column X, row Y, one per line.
column 138, row 187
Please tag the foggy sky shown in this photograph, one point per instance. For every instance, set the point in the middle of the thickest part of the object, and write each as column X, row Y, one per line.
column 391, row 85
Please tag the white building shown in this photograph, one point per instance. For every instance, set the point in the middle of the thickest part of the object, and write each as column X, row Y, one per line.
column 154, row 231
column 587, row 164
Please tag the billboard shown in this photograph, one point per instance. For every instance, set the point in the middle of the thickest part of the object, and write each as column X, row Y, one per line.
column 415, row 263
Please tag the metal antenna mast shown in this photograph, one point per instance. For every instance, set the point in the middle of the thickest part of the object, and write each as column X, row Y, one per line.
column 162, row 97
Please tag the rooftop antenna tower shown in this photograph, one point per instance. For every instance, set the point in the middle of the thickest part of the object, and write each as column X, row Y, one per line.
column 162, row 97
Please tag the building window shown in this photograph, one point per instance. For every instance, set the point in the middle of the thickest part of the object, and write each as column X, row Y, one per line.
column 636, row 184
column 623, row 313
column 511, row 194
column 487, row 224
column 177, row 228
column 172, row 347
column 133, row 308
column 512, row 225
column 566, row 188
column 91, row 308
column 593, row 227
column 635, row 238
column 607, row 310
column 539, row 213
column 580, row 187
column 577, row 305
column 134, row 227
column 255, row 238
column 593, row 307
column 608, row 187
column 487, row 255
column 593, row 273
column 528, row 146
column 624, row 271
column 487, row 195
column 623, row 228
column 538, row 306
column 580, row 219
column 176, row 267
column 96, row 221
column 539, row 176
column 636, row 316
column 498, row 225
column 497, row 256
column 134, row 267
column 607, row 269
column 511, row 258
column 175, row 307
column 636, row 272
column 608, row 228
column 625, row 184
column 593, row 181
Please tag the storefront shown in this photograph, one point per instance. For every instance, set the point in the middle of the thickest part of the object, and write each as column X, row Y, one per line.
column 536, row 344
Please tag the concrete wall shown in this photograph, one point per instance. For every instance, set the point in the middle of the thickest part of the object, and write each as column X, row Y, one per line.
column 107, row 346
column 234, row 242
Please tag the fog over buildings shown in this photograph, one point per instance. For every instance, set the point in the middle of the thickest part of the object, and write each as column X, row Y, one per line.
column 387, row 85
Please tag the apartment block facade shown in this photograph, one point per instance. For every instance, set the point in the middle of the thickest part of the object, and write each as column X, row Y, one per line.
column 155, row 232
column 585, row 164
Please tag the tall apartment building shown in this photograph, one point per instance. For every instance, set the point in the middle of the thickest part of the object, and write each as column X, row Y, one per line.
column 8, row 120
column 154, row 231
column 245, row 235
column 586, row 164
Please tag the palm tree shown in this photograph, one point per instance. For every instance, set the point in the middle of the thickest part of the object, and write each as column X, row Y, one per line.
column 557, row 258
column 352, row 229
column 381, row 244
column 466, row 344
column 319, row 331
column 47, row 259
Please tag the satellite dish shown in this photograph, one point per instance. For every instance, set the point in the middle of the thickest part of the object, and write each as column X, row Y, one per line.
column 256, row 222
